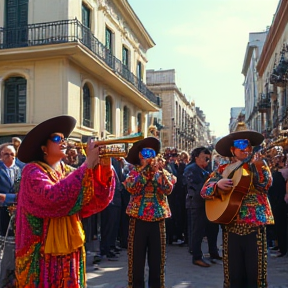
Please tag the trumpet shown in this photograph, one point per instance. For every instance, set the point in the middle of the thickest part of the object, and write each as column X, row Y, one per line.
column 114, row 147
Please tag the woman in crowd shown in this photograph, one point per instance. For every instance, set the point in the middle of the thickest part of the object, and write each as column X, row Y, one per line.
column 51, row 202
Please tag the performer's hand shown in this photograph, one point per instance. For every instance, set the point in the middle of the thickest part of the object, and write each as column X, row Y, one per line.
column 154, row 165
column 2, row 197
column 92, row 154
column 225, row 184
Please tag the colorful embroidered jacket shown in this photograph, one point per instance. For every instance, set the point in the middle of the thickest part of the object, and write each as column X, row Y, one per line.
column 149, row 190
column 48, row 199
column 255, row 209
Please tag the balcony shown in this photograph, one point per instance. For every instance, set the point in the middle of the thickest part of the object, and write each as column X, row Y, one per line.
column 70, row 31
column 264, row 103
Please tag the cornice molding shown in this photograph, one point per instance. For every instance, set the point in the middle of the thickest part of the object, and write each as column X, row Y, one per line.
column 275, row 32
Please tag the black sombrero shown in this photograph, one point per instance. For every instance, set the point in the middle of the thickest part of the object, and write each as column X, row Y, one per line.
column 224, row 144
column 30, row 148
column 149, row 142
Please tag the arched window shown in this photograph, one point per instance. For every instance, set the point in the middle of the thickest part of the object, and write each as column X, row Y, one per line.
column 87, row 113
column 108, row 115
column 139, row 122
column 15, row 100
column 126, row 121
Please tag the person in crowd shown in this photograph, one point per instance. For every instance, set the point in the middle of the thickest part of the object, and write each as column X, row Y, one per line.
column 276, row 194
column 120, row 166
column 10, row 175
column 16, row 141
column 173, row 231
column 195, row 175
column 110, row 222
column 51, row 202
column 244, row 184
column 148, row 208
column 181, row 198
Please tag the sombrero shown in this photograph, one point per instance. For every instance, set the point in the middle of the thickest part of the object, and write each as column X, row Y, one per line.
column 30, row 148
column 149, row 142
column 224, row 144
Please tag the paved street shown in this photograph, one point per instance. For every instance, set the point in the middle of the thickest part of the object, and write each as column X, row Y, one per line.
column 180, row 272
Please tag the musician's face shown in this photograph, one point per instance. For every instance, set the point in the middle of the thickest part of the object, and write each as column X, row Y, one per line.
column 241, row 154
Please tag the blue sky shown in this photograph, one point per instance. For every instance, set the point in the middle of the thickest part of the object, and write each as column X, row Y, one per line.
column 205, row 42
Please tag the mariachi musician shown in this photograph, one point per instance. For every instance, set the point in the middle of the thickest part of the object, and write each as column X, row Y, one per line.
column 237, row 194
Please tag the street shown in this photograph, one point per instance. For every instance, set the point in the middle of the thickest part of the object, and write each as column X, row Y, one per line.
column 180, row 272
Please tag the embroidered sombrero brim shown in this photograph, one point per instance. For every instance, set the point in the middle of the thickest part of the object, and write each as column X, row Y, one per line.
column 149, row 142
column 30, row 148
column 224, row 144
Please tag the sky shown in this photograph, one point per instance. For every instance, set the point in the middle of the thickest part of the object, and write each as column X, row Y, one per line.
column 205, row 42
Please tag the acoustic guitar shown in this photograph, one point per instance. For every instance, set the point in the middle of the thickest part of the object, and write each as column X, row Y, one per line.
column 225, row 206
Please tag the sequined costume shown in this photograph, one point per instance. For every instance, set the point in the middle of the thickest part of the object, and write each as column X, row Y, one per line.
column 248, row 226
column 50, row 206
column 148, row 208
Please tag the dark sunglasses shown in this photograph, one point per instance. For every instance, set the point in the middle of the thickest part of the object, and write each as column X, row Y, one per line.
column 9, row 154
column 241, row 144
column 148, row 153
column 57, row 139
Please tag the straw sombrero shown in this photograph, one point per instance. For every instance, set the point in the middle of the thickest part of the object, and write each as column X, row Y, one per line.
column 30, row 148
column 224, row 144
column 149, row 142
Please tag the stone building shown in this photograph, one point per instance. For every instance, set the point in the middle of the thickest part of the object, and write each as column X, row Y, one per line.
column 85, row 58
column 253, row 109
column 272, row 69
column 178, row 116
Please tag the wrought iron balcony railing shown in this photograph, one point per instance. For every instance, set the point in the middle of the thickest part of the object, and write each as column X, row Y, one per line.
column 264, row 103
column 65, row 31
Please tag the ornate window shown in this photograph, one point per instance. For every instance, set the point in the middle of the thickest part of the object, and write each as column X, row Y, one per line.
column 126, row 121
column 15, row 100
column 87, row 113
column 108, row 115
column 139, row 122
column 125, row 55
column 85, row 15
column 108, row 41
column 139, row 71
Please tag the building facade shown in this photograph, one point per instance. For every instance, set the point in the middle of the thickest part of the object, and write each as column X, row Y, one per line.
column 253, row 109
column 183, row 126
column 84, row 58
column 272, row 69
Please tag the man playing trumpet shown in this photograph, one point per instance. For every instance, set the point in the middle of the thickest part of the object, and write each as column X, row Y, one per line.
column 149, row 184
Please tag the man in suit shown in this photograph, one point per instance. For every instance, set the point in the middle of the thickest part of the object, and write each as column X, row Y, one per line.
column 195, row 175
column 10, row 174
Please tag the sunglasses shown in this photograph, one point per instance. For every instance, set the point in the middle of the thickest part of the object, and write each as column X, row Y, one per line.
column 148, row 153
column 9, row 154
column 241, row 144
column 57, row 139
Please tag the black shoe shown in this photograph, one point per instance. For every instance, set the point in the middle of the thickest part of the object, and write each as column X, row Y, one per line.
column 216, row 257
column 281, row 255
column 112, row 257
column 274, row 248
column 201, row 263
column 190, row 251
column 97, row 259
column 117, row 249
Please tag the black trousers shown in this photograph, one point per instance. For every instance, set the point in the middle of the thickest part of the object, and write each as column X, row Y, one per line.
column 200, row 226
column 146, row 239
column 110, row 217
column 245, row 259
